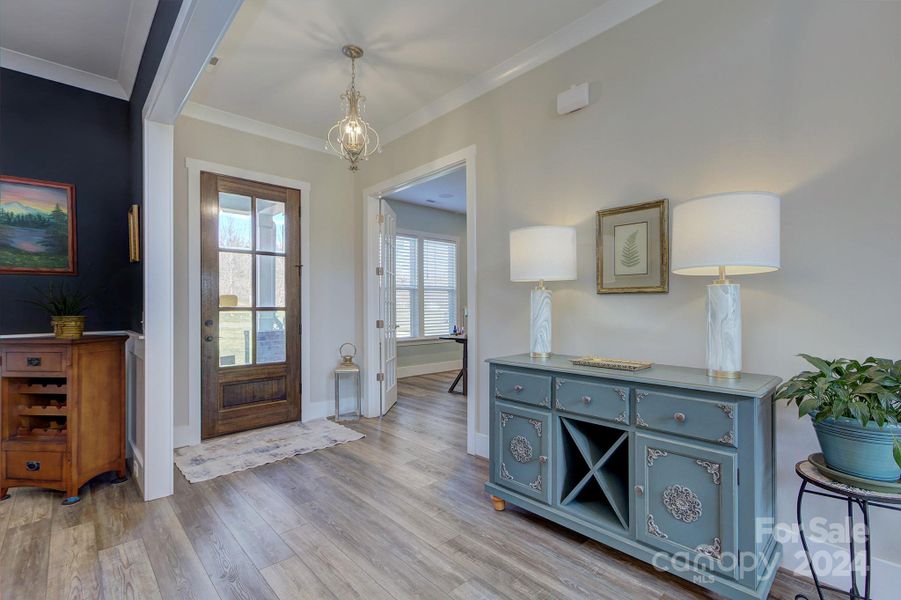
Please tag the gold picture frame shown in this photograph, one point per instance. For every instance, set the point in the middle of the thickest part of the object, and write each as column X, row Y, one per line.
column 633, row 249
column 134, row 234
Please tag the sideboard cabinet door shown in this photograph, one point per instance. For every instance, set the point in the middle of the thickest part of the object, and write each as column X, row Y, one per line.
column 686, row 501
column 521, row 457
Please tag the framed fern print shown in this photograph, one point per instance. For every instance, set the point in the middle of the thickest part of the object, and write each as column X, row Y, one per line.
column 633, row 248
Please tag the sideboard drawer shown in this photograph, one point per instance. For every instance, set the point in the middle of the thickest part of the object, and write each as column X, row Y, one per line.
column 584, row 397
column 530, row 388
column 38, row 361
column 713, row 421
column 34, row 466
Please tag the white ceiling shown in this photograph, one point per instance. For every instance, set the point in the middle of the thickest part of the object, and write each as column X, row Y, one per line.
column 92, row 44
column 281, row 71
column 447, row 192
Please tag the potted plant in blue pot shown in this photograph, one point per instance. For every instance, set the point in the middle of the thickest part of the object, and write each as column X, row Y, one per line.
column 856, row 408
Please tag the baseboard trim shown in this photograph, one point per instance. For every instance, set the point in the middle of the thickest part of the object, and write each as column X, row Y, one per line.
column 428, row 368
column 136, row 466
column 884, row 575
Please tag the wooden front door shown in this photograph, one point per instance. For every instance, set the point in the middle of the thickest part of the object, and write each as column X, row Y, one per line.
column 250, row 298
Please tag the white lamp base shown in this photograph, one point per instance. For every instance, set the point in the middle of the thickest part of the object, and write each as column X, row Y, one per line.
column 724, row 330
column 540, row 332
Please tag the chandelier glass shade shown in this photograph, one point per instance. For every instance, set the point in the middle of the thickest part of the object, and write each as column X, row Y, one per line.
column 352, row 138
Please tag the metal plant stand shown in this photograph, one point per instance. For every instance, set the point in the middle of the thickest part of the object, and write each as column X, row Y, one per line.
column 863, row 499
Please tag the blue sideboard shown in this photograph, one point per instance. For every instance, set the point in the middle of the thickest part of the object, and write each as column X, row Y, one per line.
column 665, row 464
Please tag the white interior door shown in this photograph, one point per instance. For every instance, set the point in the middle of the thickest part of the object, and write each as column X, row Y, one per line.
column 388, row 317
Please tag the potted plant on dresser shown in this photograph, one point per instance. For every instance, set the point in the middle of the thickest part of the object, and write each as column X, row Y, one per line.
column 65, row 309
column 856, row 408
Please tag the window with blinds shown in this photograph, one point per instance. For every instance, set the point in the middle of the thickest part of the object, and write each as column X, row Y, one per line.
column 426, row 292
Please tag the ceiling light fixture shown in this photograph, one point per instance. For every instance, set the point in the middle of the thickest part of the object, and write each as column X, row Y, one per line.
column 352, row 138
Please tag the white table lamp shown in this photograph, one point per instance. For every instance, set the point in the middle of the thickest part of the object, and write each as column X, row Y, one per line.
column 542, row 254
column 735, row 233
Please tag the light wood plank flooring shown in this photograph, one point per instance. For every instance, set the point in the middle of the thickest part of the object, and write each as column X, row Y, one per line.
column 399, row 514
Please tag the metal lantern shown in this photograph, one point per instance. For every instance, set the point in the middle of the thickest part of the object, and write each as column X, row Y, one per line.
column 347, row 371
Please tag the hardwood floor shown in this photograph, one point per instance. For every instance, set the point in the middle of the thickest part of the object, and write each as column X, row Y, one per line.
column 398, row 514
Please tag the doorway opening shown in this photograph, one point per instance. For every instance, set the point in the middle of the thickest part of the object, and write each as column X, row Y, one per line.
column 420, row 285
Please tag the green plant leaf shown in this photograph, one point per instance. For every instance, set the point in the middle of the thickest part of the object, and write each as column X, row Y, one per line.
column 824, row 367
column 807, row 406
column 896, row 450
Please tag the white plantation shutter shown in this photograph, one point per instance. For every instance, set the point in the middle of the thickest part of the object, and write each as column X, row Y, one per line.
column 426, row 291
column 407, row 288
column 439, row 286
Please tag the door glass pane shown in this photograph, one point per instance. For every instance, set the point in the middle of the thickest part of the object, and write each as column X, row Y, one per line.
column 235, row 224
column 235, row 279
column 270, row 336
column 270, row 281
column 235, row 338
column 270, row 225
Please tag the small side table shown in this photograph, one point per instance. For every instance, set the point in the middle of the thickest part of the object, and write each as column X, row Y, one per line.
column 460, row 339
column 864, row 499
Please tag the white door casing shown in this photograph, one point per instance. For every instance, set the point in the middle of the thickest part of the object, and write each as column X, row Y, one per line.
column 387, row 304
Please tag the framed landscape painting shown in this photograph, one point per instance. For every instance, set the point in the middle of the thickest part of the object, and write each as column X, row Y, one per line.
column 633, row 248
column 37, row 227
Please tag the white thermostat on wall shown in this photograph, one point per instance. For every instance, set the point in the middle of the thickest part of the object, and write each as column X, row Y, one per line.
column 573, row 99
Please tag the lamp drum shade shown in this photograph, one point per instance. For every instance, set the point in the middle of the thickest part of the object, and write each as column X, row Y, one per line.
column 736, row 230
column 543, row 253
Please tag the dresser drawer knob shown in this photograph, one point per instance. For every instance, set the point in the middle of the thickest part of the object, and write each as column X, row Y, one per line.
column 33, row 361
column 542, row 460
column 679, row 417
column 639, row 490
column 586, row 399
column 32, row 465
column 517, row 388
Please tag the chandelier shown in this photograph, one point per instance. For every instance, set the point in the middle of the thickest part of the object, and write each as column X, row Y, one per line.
column 352, row 138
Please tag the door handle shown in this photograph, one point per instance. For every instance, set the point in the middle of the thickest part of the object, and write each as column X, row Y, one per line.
column 32, row 465
column 208, row 322
column 208, row 338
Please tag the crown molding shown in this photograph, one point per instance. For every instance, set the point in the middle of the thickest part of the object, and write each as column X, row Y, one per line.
column 247, row 125
column 45, row 69
column 599, row 20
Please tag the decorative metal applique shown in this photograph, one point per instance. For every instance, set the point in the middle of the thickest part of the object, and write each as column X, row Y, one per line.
column 559, row 382
column 536, row 485
column 505, row 473
column 682, row 503
column 621, row 392
column 537, row 425
column 654, row 530
column 521, row 449
column 654, row 454
column 714, row 550
column 557, row 404
column 545, row 403
column 621, row 417
column 639, row 396
column 727, row 408
column 728, row 438
column 712, row 468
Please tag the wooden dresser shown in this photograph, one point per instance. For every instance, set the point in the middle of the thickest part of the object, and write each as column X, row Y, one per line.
column 666, row 464
column 63, row 412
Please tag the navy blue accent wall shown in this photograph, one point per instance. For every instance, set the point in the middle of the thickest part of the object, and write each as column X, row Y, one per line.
column 61, row 133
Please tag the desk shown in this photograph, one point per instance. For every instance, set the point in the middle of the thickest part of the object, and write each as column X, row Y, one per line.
column 460, row 339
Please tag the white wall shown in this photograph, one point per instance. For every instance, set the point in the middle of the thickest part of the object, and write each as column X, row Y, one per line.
column 440, row 222
column 334, row 245
column 691, row 97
